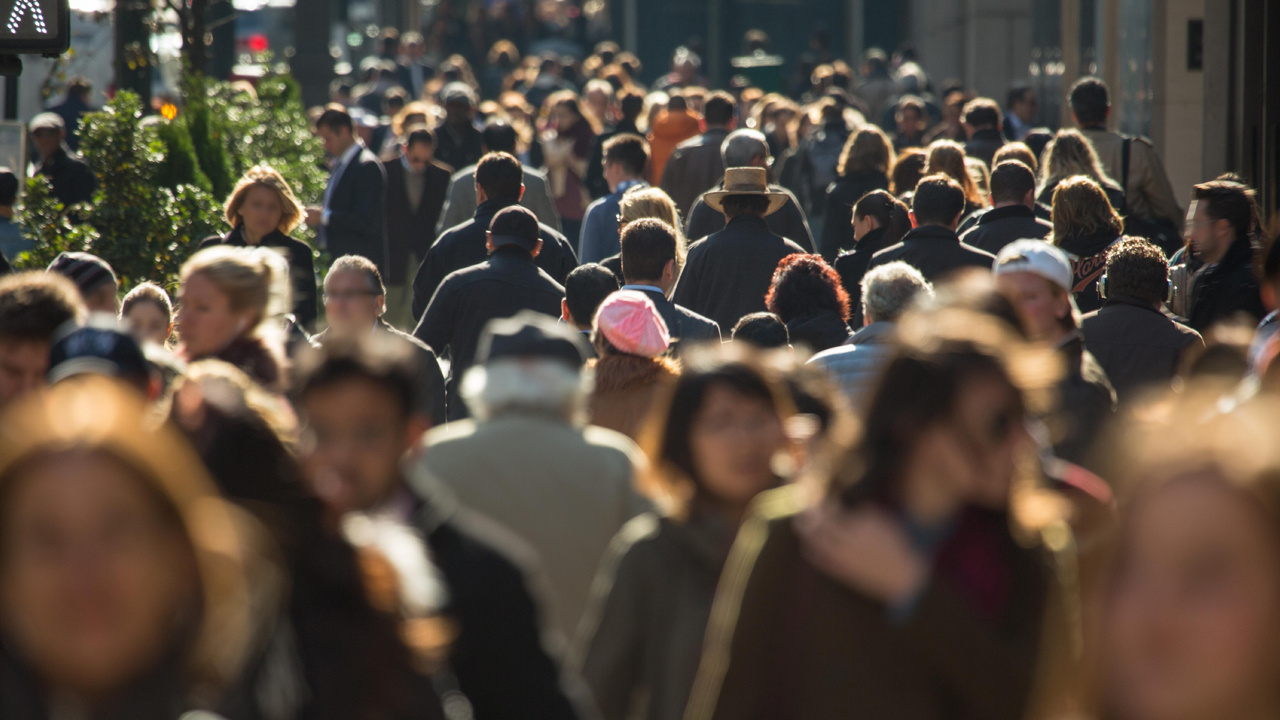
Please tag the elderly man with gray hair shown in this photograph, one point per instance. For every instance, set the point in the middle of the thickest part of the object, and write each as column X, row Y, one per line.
column 748, row 148
column 528, row 462
column 888, row 291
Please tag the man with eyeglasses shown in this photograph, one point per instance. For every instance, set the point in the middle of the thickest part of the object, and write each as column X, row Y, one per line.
column 354, row 303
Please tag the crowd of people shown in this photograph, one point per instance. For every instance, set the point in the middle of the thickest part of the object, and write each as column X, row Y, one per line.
column 619, row 402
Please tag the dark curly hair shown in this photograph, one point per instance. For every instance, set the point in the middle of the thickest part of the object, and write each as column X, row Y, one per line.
column 804, row 284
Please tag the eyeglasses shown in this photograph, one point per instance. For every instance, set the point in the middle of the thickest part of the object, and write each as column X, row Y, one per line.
column 348, row 295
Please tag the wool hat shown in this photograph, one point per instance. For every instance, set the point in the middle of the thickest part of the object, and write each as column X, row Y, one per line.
column 745, row 181
column 530, row 335
column 87, row 271
column 1037, row 257
column 515, row 225
column 629, row 320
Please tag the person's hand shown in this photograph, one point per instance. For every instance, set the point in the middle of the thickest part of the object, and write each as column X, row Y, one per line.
column 866, row 550
column 315, row 216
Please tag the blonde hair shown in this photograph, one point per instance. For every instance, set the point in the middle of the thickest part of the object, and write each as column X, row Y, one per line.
column 1070, row 153
column 265, row 176
column 402, row 120
column 947, row 157
column 867, row 150
column 654, row 203
column 1080, row 207
column 255, row 279
column 1016, row 151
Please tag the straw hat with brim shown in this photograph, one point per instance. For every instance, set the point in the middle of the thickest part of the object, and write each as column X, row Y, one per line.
column 745, row 181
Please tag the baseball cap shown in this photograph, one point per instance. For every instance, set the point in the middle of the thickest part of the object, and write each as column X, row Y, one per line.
column 46, row 121
column 1037, row 257
column 530, row 335
column 98, row 348
column 515, row 225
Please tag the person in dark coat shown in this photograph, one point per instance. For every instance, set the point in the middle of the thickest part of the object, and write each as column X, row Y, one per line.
column 1012, row 216
column 352, row 220
column 416, row 187
column 73, row 108
column 1135, row 342
column 354, row 302
column 933, row 247
column 879, row 221
column 458, row 142
column 806, row 294
column 72, row 179
column 262, row 211
column 982, row 124
column 1084, row 226
column 1036, row 278
column 498, row 186
column 1224, row 217
column 497, row 136
column 864, row 166
column 508, row 282
column 649, row 266
column 748, row 148
column 728, row 273
column 497, row 659
column 631, row 103
column 697, row 164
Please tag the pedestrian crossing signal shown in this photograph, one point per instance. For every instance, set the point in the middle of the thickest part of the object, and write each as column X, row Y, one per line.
column 34, row 27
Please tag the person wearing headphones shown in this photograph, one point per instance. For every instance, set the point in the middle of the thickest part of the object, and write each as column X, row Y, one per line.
column 1133, row 338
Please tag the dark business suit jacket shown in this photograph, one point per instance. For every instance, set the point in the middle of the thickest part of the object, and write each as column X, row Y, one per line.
column 935, row 251
column 408, row 231
column 357, row 212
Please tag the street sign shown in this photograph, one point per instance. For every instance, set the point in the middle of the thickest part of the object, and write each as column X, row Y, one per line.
column 35, row 27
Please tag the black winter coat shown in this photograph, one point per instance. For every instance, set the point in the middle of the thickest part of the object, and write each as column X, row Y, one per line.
column 72, row 179
column 1088, row 255
column 302, row 268
column 837, row 229
column 820, row 331
column 1137, row 345
column 935, row 251
column 853, row 266
column 409, row 231
column 727, row 274
column 468, row 299
column 1227, row 289
column 1001, row 226
column 684, row 325
column 464, row 245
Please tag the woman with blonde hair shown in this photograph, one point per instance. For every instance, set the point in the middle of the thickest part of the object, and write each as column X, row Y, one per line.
column 948, row 157
column 1085, row 225
column 1068, row 154
column 649, row 202
column 131, row 588
column 227, row 304
column 865, row 164
column 262, row 211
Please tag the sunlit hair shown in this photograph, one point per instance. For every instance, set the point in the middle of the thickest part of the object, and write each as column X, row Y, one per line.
column 227, row 388
column 1080, row 207
column 803, row 284
column 908, row 168
column 414, row 113
column 672, row 479
column 254, row 279
column 652, row 202
column 867, row 150
column 267, row 177
column 981, row 177
column 101, row 417
column 1015, row 151
column 148, row 292
column 571, row 101
column 948, row 157
column 539, row 386
column 1070, row 153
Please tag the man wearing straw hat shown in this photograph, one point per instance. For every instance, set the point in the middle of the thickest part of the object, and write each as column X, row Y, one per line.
column 728, row 273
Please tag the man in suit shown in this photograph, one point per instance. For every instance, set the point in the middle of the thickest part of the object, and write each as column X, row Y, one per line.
column 416, row 184
column 696, row 165
column 649, row 266
column 460, row 206
column 748, row 148
column 497, row 186
column 352, row 218
column 933, row 247
column 413, row 71
column 508, row 282
column 728, row 273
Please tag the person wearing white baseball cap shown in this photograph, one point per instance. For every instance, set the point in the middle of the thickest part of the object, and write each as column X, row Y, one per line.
column 1036, row 277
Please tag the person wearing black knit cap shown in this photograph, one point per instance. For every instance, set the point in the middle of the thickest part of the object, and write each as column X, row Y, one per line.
column 94, row 278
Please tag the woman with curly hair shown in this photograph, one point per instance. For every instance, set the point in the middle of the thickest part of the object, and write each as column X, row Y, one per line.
column 807, row 295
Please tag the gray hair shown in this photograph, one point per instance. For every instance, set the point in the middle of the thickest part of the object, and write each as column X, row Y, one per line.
column 890, row 289
column 537, row 386
column 743, row 146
